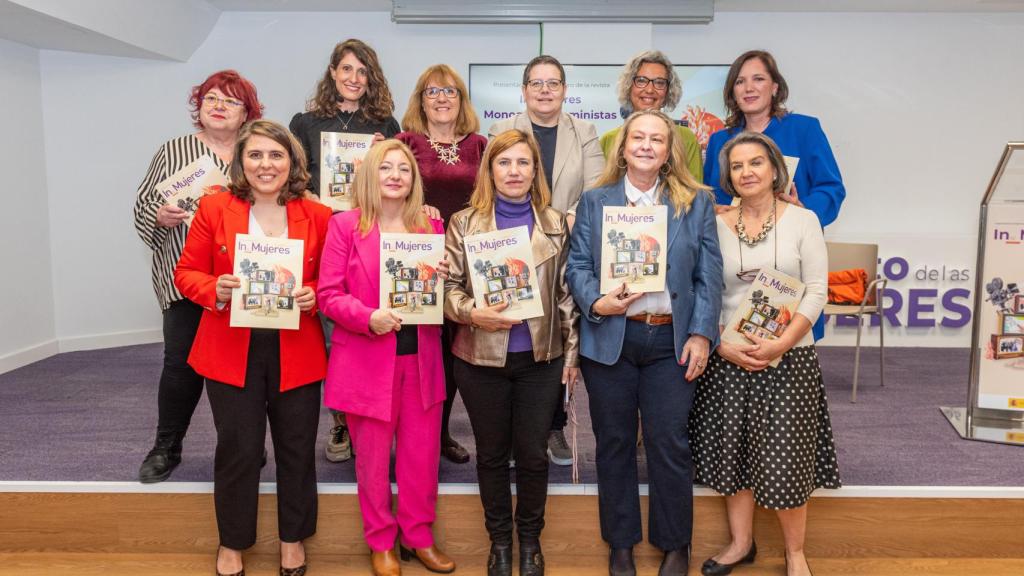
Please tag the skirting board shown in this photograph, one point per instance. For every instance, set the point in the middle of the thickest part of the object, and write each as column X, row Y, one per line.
column 44, row 350
column 111, row 340
column 26, row 356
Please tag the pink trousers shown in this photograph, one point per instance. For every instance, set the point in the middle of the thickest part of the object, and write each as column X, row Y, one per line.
column 417, row 456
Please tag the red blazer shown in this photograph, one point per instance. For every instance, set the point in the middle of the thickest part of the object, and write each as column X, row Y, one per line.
column 220, row 352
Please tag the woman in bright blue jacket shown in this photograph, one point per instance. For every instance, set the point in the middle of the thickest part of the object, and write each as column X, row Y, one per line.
column 755, row 94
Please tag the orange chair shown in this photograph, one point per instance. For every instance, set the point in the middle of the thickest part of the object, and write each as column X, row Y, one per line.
column 846, row 256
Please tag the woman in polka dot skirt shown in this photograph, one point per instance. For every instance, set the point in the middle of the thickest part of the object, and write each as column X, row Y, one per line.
column 761, row 435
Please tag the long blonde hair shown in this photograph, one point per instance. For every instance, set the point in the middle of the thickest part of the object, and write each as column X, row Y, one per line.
column 676, row 181
column 484, row 191
column 366, row 189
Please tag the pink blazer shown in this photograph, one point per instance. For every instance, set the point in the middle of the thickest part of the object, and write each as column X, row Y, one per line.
column 360, row 370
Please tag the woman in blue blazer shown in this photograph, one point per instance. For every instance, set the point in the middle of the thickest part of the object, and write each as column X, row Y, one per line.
column 642, row 351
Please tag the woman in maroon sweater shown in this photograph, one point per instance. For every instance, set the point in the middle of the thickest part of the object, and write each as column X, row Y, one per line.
column 440, row 128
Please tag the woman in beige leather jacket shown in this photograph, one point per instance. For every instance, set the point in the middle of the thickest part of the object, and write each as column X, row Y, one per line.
column 510, row 372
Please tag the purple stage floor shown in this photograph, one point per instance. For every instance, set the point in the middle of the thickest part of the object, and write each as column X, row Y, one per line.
column 90, row 416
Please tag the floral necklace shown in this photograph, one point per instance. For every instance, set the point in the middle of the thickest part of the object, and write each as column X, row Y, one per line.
column 741, row 230
column 446, row 153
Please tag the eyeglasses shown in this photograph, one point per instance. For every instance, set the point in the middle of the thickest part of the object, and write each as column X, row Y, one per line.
column 748, row 276
column 642, row 82
column 213, row 101
column 538, row 85
column 433, row 92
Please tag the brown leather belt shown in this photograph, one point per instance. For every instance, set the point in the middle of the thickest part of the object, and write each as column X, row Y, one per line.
column 652, row 319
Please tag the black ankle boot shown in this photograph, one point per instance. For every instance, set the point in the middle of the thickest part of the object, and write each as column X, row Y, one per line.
column 675, row 562
column 531, row 559
column 162, row 459
column 499, row 561
column 620, row 562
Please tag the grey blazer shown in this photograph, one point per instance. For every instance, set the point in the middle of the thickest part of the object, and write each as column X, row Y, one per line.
column 579, row 160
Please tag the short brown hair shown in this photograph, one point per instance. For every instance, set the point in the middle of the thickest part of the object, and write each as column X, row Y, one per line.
column 484, row 191
column 376, row 103
column 774, row 157
column 415, row 119
column 543, row 59
column 735, row 116
column 295, row 187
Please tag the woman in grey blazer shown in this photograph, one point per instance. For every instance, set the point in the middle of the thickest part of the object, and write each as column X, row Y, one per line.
column 569, row 148
column 572, row 160
column 641, row 352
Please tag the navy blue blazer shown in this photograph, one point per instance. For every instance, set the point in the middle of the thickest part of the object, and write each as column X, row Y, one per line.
column 693, row 267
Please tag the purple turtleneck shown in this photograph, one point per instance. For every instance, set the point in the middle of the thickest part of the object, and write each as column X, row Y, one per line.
column 510, row 214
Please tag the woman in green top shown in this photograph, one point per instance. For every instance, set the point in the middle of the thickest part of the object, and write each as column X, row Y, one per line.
column 649, row 82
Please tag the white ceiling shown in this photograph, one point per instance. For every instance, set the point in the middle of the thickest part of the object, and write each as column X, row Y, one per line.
column 145, row 30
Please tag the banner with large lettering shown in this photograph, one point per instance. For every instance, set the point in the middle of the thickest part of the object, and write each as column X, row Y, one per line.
column 591, row 94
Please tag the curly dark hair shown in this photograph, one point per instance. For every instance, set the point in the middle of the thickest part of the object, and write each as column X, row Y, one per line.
column 376, row 103
column 295, row 187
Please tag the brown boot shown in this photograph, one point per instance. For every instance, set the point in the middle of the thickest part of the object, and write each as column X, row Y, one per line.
column 432, row 558
column 385, row 563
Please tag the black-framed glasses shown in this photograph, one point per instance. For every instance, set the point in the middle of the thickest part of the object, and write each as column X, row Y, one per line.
column 433, row 92
column 537, row 85
column 642, row 82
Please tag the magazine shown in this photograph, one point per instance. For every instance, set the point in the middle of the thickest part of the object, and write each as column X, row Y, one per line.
column 341, row 154
column 186, row 187
column 633, row 248
column 502, row 271
column 766, row 310
column 270, row 269
column 409, row 283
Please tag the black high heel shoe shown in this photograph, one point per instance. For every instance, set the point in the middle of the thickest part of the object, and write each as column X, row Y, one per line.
column 713, row 568
column 620, row 562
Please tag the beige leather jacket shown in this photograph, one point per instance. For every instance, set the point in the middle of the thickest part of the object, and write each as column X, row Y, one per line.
column 554, row 334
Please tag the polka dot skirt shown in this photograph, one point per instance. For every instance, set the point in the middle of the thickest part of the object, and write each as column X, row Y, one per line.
column 766, row 431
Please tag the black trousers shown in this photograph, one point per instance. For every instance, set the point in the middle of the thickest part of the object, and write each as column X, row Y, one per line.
column 448, row 361
column 180, row 386
column 240, row 416
column 511, row 407
column 647, row 378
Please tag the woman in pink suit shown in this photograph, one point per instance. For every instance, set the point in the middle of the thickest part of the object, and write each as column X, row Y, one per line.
column 389, row 381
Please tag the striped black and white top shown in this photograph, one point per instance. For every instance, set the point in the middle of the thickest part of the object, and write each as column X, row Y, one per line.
column 167, row 243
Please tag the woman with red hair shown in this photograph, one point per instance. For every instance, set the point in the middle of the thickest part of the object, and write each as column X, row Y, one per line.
column 219, row 107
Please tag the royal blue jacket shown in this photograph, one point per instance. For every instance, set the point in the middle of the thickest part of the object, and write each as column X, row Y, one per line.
column 819, row 184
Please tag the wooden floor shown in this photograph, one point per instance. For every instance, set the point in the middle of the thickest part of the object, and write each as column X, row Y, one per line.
column 95, row 564
column 156, row 534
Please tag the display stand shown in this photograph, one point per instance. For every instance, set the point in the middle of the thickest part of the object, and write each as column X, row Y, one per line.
column 995, row 397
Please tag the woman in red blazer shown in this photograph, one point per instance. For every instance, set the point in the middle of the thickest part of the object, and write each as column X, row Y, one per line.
column 388, row 379
column 256, row 374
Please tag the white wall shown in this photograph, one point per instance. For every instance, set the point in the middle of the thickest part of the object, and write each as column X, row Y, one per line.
column 917, row 108
column 27, row 315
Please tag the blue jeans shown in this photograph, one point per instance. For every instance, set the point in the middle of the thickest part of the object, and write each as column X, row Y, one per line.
column 647, row 379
